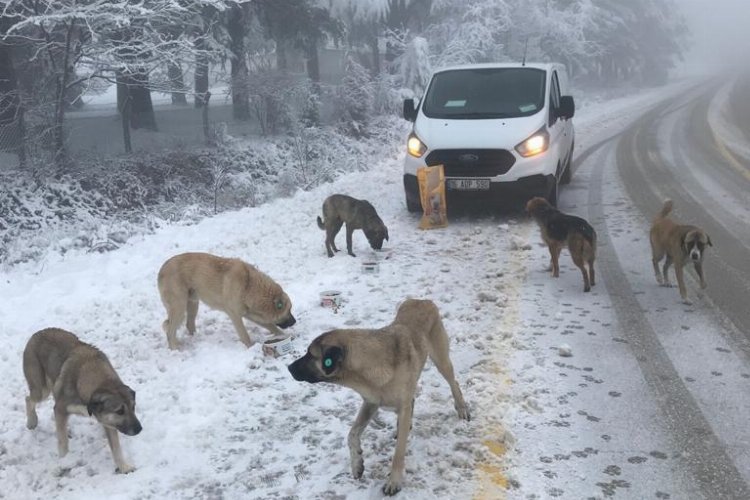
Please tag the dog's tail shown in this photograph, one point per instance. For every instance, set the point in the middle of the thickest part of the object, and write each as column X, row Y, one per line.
column 588, row 232
column 36, row 377
column 320, row 223
column 665, row 209
column 593, row 245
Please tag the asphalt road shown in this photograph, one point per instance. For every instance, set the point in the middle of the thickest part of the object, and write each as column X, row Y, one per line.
column 694, row 359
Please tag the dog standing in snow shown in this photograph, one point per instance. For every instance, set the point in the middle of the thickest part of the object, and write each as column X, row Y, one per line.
column 680, row 244
column 83, row 381
column 383, row 366
column 561, row 230
column 229, row 285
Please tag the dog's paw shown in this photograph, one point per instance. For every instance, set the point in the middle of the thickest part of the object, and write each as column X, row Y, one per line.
column 704, row 285
column 392, row 487
column 358, row 467
column 687, row 302
column 463, row 413
column 124, row 469
column 32, row 422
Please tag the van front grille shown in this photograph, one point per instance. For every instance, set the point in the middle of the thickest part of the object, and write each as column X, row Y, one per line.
column 472, row 162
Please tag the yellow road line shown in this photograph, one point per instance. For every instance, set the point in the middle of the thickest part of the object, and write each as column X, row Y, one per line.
column 491, row 481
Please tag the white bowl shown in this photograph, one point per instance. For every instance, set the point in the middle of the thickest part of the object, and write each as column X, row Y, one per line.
column 330, row 298
column 277, row 347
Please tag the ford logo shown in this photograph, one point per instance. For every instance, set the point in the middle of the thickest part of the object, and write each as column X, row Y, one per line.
column 468, row 158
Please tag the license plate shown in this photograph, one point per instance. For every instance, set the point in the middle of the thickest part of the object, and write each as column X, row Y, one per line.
column 468, row 184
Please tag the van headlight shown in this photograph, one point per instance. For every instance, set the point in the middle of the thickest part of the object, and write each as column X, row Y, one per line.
column 537, row 143
column 414, row 146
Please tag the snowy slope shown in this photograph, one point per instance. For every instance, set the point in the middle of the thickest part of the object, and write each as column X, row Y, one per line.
column 222, row 421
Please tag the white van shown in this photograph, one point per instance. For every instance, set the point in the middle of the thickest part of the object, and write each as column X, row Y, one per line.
column 502, row 131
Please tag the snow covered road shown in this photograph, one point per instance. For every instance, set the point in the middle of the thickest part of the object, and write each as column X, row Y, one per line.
column 655, row 404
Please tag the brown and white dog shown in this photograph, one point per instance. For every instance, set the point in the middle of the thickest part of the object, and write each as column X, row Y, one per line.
column 680, row 243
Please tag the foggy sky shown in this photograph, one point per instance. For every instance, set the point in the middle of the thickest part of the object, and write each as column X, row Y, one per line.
column 720, row 32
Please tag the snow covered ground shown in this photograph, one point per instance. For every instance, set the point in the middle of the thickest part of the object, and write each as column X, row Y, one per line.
column 222, row 421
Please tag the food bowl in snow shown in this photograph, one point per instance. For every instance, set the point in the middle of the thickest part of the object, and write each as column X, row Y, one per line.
column 330, row 299
column 370, row 267
column 277, row 346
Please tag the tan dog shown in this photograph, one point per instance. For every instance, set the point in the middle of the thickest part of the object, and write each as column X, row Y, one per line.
column 383, row 366
column 561, row 230
column 680, row 244
column 82, row 380
column 229, row 285
column 339, row 209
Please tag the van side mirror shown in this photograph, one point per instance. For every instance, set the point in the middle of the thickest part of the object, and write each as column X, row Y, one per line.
column 567, row 107
column 410, row 112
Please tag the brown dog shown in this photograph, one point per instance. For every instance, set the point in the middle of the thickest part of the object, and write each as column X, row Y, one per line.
column 560, row 230
column 680, row 244
column 229, row 285
column 82, row 380
column 383, row 366
column 339, row 209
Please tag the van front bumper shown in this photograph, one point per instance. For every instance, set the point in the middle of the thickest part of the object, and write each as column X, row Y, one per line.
column 509, row 193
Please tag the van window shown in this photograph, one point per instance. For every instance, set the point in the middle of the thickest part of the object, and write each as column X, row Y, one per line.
column 554, row 98
column 483, row 93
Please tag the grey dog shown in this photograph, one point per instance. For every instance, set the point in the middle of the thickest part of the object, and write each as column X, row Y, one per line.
column 340, row 209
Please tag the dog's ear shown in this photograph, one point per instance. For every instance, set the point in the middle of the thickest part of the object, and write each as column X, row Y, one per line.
column 332, row 358
column 132, row 393
column 386, row 234
column 683, row 242
column 96, row 403
column 708, row 240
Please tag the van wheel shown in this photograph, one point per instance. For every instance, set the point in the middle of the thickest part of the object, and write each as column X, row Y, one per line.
column 552, row 196
column 567, row 174
column 413, row 207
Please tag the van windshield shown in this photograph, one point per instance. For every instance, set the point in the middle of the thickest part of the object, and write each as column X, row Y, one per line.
column 485, row 93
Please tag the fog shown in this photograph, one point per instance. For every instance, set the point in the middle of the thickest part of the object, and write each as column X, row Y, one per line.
column 720, row 33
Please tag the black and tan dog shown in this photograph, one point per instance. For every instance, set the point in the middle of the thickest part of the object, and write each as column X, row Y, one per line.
column 82, row 381
column 339, row 209
column 383, row 366
column 680, row 244
column 561, row 230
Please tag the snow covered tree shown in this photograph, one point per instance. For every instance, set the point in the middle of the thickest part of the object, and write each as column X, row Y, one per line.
column 238, row 23
column 355, row 99
column 304, row 25
column 75, row 41
column 414, row 65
